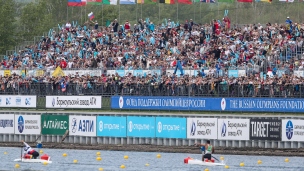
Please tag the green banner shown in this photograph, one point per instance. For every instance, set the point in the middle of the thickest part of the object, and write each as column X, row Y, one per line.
column 54, row 124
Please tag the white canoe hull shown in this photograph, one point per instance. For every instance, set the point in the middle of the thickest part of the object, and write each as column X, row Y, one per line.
column 33, row 161
column 200, row 162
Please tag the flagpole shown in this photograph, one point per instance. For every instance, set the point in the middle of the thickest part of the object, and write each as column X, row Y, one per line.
column 67, row 13
column 85, row 13
column 141, row 11
column 218, row 9
column 81, row 14
column 119, row 13
column 101, row 15
column 159, row 12
column 177, row 12
column 194, row 11
column 136, row 11
column 200, row 10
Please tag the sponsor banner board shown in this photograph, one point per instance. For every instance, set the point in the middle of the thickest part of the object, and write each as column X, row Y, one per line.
column 233, row 129
column 54, row 124
column 18, row 101
column 82, row 125
column 265, row 129
column 141, row 126
column 7, row 123
column 202, row 128
column 111, row 126
column 167, row 127
column 73, row 102
column 292, row 130
column 27, row 124
column 207, row 104
column 163, row 103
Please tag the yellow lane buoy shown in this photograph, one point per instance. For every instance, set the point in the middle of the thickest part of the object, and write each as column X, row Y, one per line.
column 158, row 156
column 122, row 166
column 259, row 161
column 41, row 151
column 100, row 169
column 222, row 158
column 226, row 167
column 147, row 164
column 98, row 153
column 5, row 152
column 126, row 157
column 64, row 154
column 286, row 160
column 242, row 164
column 98, row 158
column 206, row 169
column 75, row 161
column 17, row 165
column 45, row 163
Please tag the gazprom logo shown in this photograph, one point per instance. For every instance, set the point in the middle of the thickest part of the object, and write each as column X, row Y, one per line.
column 130, row 126
column 192, row 129
column 159, row 127
column 289, row 129
column 121, row 102
column 224, row 129
column 20, row 124
column 100, row 126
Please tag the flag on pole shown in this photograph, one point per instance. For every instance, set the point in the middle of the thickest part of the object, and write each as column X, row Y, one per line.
column 91, row 15
column 286, row 0
column 146, row 1
column 167, row 1
column 184, row 1
column 263, row 1
column 127, row 2
column 78, row 3
column 94, row 2
column 208, row 1
column 247, row 1
column 109, row 2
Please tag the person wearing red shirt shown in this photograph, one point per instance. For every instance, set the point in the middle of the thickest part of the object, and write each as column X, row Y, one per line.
column 127, row 26
column 63, row 63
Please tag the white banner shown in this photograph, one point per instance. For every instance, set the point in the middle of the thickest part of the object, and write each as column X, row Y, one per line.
column 202, row 128
column 27, row 124
column 292, row 130
column 82, row 125
column 7, row 124
column 73, row 102
column 17, row 101
column 233, row 129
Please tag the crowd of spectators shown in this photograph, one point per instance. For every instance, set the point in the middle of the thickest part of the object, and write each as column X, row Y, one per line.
column 215, row 47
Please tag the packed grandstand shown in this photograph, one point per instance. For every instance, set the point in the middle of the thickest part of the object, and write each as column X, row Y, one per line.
column 188, row 59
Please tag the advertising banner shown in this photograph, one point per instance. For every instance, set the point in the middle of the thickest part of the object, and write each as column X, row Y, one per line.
column 7, row 124
column 207, row 104
column 168, row 127
column 265, row 129
column 292, row 130
column 17, row 101
column 164, row 103
column 54, row 124
column 111, row 126
column 73, row 102
column 233, row 129
column 27, row 124
column 202, row 128
column 141, row 126
column 82, row 125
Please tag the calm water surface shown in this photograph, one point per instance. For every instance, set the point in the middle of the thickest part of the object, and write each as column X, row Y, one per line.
column 112, row 160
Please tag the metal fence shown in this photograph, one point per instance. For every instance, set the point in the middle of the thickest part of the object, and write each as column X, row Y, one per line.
column 193, row 90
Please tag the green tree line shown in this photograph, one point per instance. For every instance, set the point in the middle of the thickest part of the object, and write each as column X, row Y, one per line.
column 23, row 21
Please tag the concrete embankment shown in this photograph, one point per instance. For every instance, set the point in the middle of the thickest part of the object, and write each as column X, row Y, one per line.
column 167, row 149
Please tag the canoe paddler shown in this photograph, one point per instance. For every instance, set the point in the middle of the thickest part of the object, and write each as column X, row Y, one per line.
column 29, row 150
column 208, row 150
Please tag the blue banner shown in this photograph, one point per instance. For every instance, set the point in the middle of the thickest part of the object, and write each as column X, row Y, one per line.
column 208, row 104
column 168, row 127
column 111, row 126
column 165, row 103
column 233, row 73
column 141, row 126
